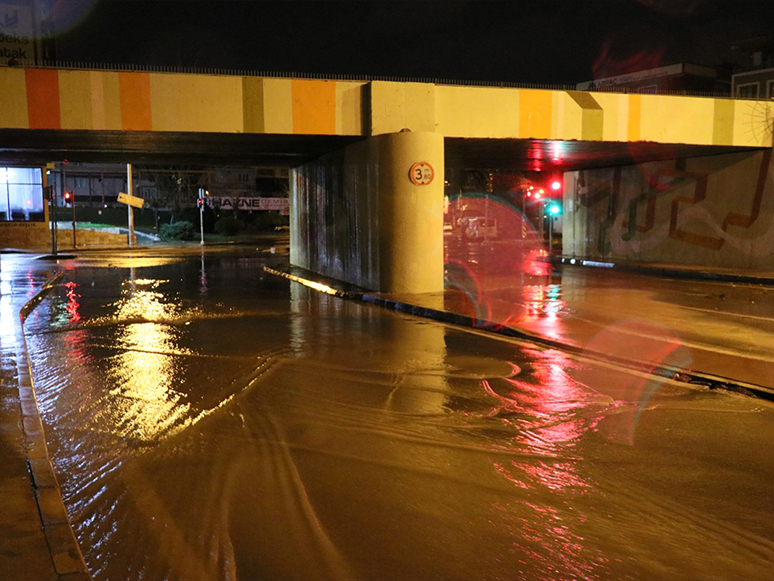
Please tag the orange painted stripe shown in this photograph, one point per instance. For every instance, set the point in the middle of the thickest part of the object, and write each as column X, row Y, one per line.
column 43, row 99
column 134, row 94
column 314, row 107
column 635, row 117
column 535, row 108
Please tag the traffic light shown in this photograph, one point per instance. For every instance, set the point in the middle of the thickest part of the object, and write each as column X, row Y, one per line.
column 556, row 185
column 68, row 197
column 200, row 203
column 554, row 209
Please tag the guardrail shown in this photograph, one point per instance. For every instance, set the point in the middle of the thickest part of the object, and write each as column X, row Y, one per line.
column 77, row 65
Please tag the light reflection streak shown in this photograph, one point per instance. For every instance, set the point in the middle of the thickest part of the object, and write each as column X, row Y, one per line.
column 144, row 405
column 72, row 301
column 487, row 267
column 555, row 413
column 203, row 279
column 7, row 315
column 557, row 150
column 655, row 346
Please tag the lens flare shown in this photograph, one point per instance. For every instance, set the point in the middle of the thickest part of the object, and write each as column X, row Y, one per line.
column 655, row 345
column 66, row 15
column 492, row 253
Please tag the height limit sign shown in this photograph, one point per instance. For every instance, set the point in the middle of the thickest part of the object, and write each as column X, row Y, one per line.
column 421, row 173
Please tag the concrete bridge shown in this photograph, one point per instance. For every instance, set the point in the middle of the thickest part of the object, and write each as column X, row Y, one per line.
column 646, row 177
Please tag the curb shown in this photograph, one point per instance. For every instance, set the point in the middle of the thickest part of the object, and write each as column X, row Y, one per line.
column 66, row 555
column 695, row 378
column 664, row 271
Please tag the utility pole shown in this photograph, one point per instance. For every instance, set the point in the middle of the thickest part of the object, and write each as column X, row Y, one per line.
column 72, row 205
column 129, row 207
column 51, row 201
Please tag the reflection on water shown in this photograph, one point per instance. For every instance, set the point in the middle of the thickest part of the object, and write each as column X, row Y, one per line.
column 654, row 345
column 308, row 437
column 498, row 273
column 144, row 403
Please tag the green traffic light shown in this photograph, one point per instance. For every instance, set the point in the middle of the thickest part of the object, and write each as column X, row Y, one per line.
column 554, row 209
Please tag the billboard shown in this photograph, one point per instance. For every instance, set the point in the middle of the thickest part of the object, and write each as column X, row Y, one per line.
column 227, row 202
column 17, row 33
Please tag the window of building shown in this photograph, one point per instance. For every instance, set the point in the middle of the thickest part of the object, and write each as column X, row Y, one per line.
column 770, row 92
column 749, row 90
column 21, row 194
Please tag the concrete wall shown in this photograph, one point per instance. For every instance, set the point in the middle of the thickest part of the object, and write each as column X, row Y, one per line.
column 24, row 235
column 356, row 216
column 36, row 236
column 712, row 211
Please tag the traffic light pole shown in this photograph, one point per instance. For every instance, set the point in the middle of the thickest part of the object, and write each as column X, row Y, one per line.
column 52, row 216
column 72, row 204
column 200, row 203
column 550, row 234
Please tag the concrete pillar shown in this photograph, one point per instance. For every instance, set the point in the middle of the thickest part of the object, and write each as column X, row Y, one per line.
column 410, row 215
column 357, row 215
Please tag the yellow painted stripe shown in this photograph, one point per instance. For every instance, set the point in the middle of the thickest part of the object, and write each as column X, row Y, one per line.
column 97, row 100
column 314, row 107
column 535, row 113
column 135, row 101
column 13, row 107
column 204, row 103
column 349, row 108
column 75, row 99
column 723, row 122
column 252, row 105
column 112, row 100
column 592, row 116
column 635, row 112
column 277, row 106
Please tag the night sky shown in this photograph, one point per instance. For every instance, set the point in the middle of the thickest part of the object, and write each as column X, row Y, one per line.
column 521, row 41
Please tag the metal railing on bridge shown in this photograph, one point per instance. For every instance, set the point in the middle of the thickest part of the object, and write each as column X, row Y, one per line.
column 75, row 65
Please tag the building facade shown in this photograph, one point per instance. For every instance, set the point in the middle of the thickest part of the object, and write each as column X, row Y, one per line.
column 677, row 78
column 757, row 80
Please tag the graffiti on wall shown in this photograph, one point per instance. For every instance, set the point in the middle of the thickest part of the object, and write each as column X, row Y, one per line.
column 635, row 210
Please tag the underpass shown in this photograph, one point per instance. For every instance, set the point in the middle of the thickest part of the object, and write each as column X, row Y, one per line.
column 382, row 446
column 645, row 175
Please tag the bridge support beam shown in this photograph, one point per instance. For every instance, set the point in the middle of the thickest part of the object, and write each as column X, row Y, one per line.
column 357, row 216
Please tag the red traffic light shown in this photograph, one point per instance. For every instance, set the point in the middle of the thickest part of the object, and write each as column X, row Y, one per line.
column 556, row 185
column 68, row 197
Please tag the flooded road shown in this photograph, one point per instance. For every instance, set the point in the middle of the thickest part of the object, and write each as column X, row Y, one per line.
column 210, row 421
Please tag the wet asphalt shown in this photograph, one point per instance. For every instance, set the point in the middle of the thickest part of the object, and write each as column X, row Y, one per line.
column 209, row 420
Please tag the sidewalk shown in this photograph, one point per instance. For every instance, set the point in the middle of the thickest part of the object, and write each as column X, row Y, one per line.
column 737, row 275
column 646, row 336
column 36, row 540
